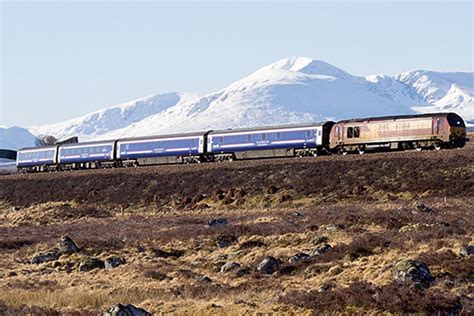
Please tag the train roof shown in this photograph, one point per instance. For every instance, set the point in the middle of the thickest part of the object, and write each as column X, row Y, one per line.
column 262, row 128
column 394, row 117
column 165, row 136
column 88, row 143
column 38, row 148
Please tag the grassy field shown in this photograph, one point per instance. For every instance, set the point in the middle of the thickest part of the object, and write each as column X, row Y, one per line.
column 367, row 208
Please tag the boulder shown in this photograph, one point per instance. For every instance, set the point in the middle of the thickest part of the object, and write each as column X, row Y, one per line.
column 413, row 272
column 269, row 265
column 299, row 256
column 330, row 228
column 67, row 246
column 113, row 262
column 217, row 222
column 50, row 255
column 296, row 214
column 320, row 249
column 90, row 264
column 466, row 250
column 423, row 208
column 229, row 266
column 125, row 310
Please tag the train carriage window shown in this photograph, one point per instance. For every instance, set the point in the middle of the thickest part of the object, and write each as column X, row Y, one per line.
column 221, row 139
column 264, row 136
column 350, row 132
column 356, row 132
column 278, row 135
column 249, row 138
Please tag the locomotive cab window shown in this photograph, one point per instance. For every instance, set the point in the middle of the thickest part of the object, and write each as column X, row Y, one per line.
column 356, row 132
column 350, row 132
column 353, row 132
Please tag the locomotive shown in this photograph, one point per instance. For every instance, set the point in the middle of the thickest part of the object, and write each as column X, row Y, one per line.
column 422, row 131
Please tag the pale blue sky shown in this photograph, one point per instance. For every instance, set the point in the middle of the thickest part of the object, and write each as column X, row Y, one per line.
column 60, row 60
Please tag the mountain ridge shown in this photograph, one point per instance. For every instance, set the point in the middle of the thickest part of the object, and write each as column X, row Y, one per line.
column 290, row 90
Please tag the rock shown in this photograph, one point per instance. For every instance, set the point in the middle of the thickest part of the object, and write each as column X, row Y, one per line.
column 113, row 262
column 272, row 189
column 50, row 255
column 296, row 214
column 241, row 272
column 313, row 228
column 91, row 264
column 217, row 222
column 225, row 241
column 67, row 246
column 424, row 208
column 299, row 256
column 466, row 250
column 203, row 279
column 330, row 228
column 269, row 265
column 125, row 310
column 320, row 240
column 14, row 209
column 285, row 197
column 320, row 249
column 229, row 266
column 413, row 272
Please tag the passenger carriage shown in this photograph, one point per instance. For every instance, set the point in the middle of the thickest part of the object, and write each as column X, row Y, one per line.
column 37, row 159
column 99, row 154
column 179, row 148
column 265, row 142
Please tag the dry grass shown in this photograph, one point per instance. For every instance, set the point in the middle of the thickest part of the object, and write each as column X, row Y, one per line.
column 167, row 249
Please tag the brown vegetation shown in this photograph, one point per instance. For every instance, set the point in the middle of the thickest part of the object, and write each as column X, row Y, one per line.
column 367, row 208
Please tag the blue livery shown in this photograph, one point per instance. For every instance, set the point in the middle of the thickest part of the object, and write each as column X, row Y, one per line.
column 35, row 157
column 147, row 148
column 87, row 152
column 223, row 142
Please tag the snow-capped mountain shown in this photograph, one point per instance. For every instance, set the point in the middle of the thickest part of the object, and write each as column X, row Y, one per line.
column 15, row 137
column 291, row 90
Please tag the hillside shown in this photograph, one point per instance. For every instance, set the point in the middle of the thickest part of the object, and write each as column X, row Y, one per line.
column 334, row 234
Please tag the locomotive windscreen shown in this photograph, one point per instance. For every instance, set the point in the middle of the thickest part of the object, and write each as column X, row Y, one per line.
column 455, row 120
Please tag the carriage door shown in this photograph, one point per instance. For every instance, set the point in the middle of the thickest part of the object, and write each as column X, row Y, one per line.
column 339, row 133
column 436, row 124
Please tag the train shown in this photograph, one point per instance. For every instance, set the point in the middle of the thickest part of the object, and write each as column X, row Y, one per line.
column 402, row 132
